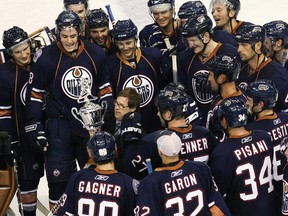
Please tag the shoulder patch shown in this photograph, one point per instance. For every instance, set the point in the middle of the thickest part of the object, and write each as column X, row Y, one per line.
column 37, row 54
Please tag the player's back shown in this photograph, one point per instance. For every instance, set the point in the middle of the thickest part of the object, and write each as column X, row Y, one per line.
column 185, row 188
column 242, row 169
column 99, row 192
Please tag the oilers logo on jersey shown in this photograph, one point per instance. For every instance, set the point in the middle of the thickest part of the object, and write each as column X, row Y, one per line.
column 201, row 97
column 23, row 94
column 144, row 87
column 71, row 81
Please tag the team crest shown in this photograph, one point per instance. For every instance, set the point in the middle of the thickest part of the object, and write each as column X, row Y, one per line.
column 143, row 86
column 201, row 97
column 71, row 81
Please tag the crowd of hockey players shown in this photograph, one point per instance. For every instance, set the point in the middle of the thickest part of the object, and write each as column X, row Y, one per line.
column 187, row 116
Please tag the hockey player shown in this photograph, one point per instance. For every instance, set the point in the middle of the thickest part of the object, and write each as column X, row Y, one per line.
column 101, row 190
column 164, row 34
column 251, row 48
column 178, row 187
column 136, row 67
column 60, row 71
column 81, row 8
column 262, row 97
column 224, row 70
column 277, row 41
column 14, row 75
column 197, row 141
column 192, row 9
column 192, row 64
column 225, row 13
column 242, row 163
column 97, row 24
column 284, row 151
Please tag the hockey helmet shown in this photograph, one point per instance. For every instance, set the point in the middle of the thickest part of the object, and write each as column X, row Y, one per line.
column 230, row 4
column 160, row 5
column 251, row 33
column 97, row 18
column 14, row 36
column 263, row 90
column 68, row 19
column 173, row 99
column 225, row 64
column 102, row 145
column 124, row 29
column 235, row 112
column 191, row 9
column 277, row 29
column 197, row 26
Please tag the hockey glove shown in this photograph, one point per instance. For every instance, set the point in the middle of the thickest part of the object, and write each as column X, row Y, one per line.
column 131, row 127
column 202, row 83
column 36, row 136
column 155, row 36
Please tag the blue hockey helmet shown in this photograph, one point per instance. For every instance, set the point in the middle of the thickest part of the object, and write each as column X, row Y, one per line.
column 225, row 64
column 173, row 99
column 251, row 34
column 277, row 29
column 235, row 112
column 124, row 29
column 191, row 9
column 68, row 19
column 263, row 90
column 102, row 145
column 14, row 36
column 97, row 18
column 197, row 26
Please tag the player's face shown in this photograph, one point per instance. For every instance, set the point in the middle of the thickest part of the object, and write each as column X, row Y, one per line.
column 163, row 18
column 127, row 48
column 121, row 107
column 22, row 54
column 269, row 46
column 99, row 35
column 79, row 9
column 69, row 39
column 246, row 51
column 195, row 43
column 220, row 14
column 212, row 79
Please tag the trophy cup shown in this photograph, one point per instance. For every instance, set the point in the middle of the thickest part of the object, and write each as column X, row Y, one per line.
column 91, row 114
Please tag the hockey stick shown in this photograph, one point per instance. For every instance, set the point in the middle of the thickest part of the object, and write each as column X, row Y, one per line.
column 111, row 17
column 42, row 208
column 56, row 206
column 149, row 165
column 174, row 59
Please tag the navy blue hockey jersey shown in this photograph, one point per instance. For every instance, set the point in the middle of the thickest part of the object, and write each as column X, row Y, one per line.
column 59, row 74
column 98, row 192
column 186, row 188
column 144, row 76
column 191, row 64
column 197, row 144
column 270, row 70
column 277, row 126
column 242, row 170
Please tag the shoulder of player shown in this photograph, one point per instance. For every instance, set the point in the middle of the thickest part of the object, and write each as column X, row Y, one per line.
column 92, row 48
column 151, row 53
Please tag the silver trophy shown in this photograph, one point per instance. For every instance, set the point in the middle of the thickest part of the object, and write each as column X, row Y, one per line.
column 91, row 114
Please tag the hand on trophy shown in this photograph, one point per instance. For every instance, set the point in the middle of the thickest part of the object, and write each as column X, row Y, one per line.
column 131, row 127
column 36, row 136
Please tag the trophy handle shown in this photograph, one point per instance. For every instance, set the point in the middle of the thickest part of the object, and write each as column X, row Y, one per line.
column 75, row 113
column 104, row 106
